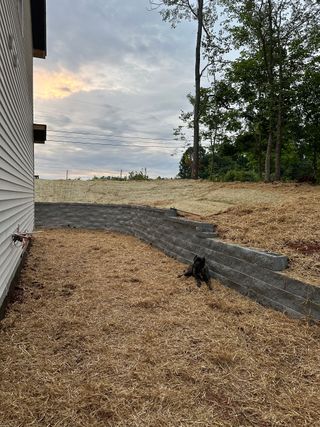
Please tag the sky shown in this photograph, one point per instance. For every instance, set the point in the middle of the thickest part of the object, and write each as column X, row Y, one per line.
column 111, row 89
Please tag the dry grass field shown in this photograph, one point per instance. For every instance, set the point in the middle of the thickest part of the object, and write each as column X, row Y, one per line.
column 283, row 218
column 103, row 333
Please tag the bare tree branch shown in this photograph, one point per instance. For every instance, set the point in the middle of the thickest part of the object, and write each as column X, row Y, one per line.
column 154, row 5
column 205, row 68
column 191, row 9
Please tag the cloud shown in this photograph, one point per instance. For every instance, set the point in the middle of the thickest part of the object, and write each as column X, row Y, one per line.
column 58, row 84
column 113, row 68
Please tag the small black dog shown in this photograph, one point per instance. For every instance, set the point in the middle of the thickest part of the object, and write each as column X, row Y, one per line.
column 199, row 271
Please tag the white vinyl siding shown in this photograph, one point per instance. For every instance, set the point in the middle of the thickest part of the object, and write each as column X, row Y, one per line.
column 16, row 134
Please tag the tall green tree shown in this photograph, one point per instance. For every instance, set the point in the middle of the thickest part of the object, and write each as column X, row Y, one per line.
column 219, row 117
column 276, row 34
column 306, row 116
column 185, row 165
column 204, row 13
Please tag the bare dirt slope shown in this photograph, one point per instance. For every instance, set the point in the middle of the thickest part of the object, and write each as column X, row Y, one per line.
column 199, row 197
column 282, row 218
column 103, row 333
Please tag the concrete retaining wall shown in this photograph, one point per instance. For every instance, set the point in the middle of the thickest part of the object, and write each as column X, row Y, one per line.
column 251, row 272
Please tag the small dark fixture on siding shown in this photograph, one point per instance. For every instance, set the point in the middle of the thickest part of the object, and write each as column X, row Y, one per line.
column 39, row 133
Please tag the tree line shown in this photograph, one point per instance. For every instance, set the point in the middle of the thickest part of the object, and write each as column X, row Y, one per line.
column 259, row 118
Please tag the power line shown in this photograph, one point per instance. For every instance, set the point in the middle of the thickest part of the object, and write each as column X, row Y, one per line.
column 46, row 116
column 112, row 136
column 112, row 145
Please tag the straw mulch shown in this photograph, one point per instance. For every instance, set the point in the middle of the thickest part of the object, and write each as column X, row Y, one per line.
column 290, row 227
column 102, row 332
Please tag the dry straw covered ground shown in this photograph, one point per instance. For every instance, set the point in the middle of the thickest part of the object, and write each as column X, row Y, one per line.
column 103, row 333
column 282, row 218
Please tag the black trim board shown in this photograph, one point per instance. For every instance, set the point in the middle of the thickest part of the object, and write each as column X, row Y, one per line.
column 39, row 28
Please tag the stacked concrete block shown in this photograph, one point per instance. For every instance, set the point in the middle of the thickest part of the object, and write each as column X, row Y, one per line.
column 255, row 273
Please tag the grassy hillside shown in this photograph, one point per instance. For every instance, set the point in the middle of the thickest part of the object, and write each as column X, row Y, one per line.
column 284, row 218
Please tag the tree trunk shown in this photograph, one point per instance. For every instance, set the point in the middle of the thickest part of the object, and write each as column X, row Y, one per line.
column 279, row 113
column 267, row 167
column 315, row 159
column 213, row 146
column 258, row 141
column 270, row 69
column 196, row 133
column 277, row 174
column 260, row 158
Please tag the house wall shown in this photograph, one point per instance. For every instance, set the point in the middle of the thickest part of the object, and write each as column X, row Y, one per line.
column 16, row 134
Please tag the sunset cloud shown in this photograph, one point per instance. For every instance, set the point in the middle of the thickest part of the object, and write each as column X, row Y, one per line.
column 58, row 84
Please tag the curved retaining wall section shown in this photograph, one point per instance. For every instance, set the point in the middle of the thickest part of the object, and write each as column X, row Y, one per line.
column 251, row 272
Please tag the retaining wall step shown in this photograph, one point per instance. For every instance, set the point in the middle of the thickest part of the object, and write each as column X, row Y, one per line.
column 276, row 279
column 265, row 259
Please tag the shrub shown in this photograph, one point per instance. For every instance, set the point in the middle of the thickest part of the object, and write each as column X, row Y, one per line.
column 240, row 175
column 137, row 176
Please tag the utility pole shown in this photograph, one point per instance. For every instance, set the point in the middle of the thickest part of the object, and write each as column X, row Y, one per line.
column 67, row 175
